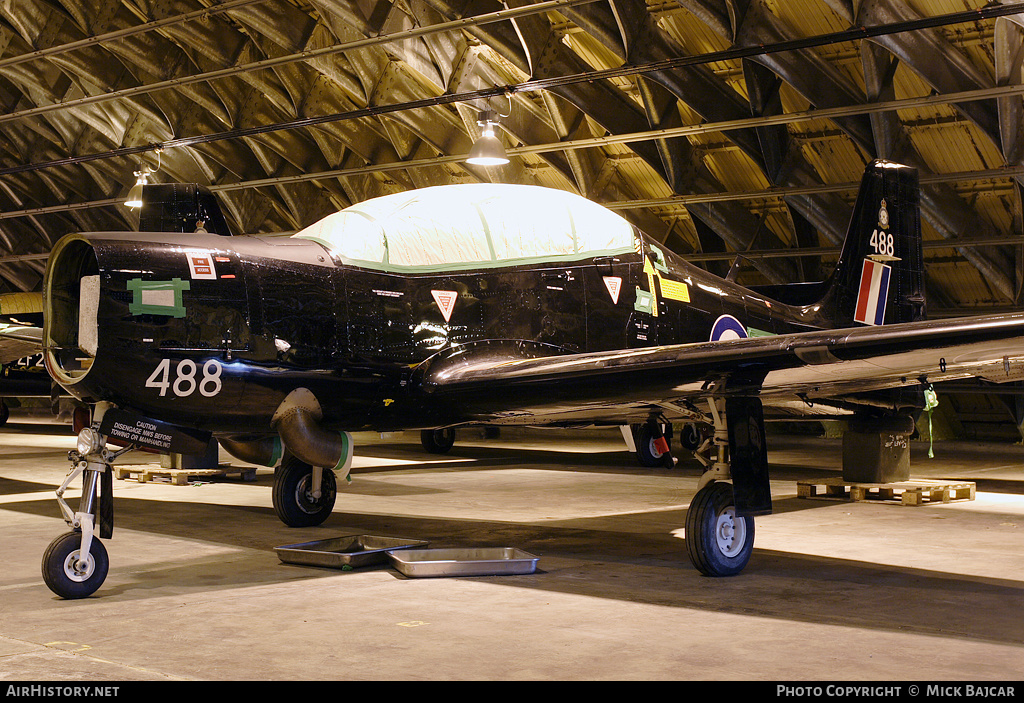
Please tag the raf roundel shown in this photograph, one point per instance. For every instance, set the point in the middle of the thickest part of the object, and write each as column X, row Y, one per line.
column 727, row 327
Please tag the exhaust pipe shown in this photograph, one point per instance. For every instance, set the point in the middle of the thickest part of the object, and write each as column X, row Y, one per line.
column 297, row 421
column 261, row 450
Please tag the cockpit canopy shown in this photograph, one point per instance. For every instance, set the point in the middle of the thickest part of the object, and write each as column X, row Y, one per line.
column 471, row 226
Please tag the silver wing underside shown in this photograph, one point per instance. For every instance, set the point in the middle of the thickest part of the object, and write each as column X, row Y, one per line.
column 17, row 342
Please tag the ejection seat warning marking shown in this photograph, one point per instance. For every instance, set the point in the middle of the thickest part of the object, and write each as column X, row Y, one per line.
column 445, row 300
column 157, row 297
column 613, row 284
column 200, row 264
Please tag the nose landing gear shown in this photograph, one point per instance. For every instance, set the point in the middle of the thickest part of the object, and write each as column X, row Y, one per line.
column 75, row 564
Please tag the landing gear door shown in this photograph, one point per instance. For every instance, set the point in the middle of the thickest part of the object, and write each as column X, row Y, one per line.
column 749, row 456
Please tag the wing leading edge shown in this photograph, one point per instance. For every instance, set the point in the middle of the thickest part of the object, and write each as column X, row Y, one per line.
column 19, row 334
column 808, row 366
column 17, row 342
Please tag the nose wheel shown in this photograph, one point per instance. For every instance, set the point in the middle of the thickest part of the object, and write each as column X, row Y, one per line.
column 70, row 575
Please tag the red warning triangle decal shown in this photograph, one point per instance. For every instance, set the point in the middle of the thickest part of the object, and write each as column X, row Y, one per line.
column 613, row 284
column 445, row 300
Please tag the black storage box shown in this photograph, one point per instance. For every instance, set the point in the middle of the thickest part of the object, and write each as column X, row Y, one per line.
column 877, row 450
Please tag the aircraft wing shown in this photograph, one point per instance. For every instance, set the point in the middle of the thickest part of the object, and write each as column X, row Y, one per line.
column 808, row 366
column 21, row 331
column 17, row 342
column 21, row 308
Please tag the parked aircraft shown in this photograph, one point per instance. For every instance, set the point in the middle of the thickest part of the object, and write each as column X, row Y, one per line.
column 21, row 325
column 482, row 305
column 21, row 336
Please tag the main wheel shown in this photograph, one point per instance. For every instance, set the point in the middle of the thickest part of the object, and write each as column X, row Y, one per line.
column 718, row 541
column 438, row 441
column 647, row 451
column 293, row 496
column 66, row 574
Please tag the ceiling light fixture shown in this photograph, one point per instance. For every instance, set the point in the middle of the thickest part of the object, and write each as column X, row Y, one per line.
column 134, row 198
column 488, row 150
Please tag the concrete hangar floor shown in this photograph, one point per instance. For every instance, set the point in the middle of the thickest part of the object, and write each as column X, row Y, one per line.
column 836, row 590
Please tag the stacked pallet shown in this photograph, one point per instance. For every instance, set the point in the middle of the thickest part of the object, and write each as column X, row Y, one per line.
column 914, row 492
column 181, row 477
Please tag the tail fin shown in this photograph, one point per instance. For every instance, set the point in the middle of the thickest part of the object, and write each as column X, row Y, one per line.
column 879, row 278
column 181, row 207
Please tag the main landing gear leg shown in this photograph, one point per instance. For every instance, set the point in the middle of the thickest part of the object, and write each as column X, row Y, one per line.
column 75, row 564
column 719, row 542
column 305, row 485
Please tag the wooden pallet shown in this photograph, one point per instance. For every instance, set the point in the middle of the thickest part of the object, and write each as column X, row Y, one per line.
column 915, row 492
column 181, row 477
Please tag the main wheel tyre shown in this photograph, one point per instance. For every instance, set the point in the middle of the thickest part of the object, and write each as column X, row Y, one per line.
column 66, row 574
column 438, row 441
column 718, row 541
column 647, row 452
column 293, row 496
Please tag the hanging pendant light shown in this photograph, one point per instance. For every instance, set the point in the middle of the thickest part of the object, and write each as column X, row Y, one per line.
column 488, row 150
column 134, row 198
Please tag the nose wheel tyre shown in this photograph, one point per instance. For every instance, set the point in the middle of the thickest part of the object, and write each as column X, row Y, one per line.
column 294, row 497
column 718, row 541
column 67, row 574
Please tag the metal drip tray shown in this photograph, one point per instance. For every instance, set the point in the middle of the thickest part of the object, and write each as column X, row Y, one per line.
column 351, row 550
column 491, row 561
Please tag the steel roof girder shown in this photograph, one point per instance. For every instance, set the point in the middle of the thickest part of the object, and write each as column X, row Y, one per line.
column 1009, row 60
column 954, row 73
